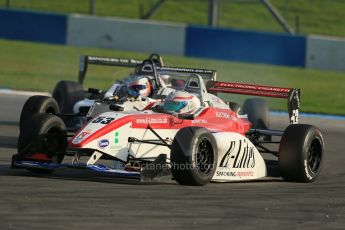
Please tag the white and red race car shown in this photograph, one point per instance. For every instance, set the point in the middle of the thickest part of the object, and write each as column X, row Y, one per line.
column 71, row 97
column 212, row 144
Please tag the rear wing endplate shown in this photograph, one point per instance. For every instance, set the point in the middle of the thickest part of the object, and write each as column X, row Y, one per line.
column 291, row 94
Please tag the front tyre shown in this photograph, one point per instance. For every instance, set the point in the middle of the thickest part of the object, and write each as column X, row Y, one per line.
column 37, row 104
column 44, row 139
column 193, row 156
column 301, row 153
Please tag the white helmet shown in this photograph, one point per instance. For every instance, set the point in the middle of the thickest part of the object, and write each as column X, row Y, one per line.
column 139, row 86
column 181, row 102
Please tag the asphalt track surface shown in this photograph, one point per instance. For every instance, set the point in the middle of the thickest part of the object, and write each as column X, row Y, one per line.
column 73, row 199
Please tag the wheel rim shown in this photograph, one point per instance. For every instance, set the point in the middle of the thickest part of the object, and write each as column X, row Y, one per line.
column 205, row 157
column 314, row 156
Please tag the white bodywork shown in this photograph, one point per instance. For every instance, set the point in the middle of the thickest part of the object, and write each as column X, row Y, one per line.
column 117, row 140
column 238, row 159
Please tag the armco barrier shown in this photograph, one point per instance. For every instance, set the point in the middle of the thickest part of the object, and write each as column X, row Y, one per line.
column 33, row 26
column 246, row 46
column 122, row 34
column 325, row 53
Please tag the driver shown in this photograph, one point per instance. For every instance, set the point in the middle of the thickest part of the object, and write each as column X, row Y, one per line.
column 139, row 86
column 181, row 102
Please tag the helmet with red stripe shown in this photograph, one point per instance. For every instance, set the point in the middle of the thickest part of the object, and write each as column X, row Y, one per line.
column 181, row 102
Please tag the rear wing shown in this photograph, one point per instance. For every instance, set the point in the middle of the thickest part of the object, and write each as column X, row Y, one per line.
column 291, row 94
column 133, row 63
column 106, row 61
column 206, row 74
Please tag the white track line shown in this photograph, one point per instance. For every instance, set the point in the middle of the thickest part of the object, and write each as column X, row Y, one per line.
column 24, row 93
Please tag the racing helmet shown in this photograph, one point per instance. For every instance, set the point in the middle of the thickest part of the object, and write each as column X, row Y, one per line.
column 181, row 102
column 139, row 86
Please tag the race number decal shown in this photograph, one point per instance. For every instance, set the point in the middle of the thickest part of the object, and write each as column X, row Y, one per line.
column 103, row 120
column 294, row 117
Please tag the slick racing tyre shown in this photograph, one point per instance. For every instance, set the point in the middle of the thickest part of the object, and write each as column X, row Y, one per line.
column 258, row 113
column 193, row 156
column 67, row 93
column 301, row 153
column 37, row 104
column 44, row 139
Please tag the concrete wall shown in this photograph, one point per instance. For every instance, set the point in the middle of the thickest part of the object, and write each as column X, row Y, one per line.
column 325, row 53
column 133, row 35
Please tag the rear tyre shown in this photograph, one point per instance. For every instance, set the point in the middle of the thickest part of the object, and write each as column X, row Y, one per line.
column 37, row 104
column 258, row 113
column 193, row 156
column 67, row 93
column 301, row 153
column 44, row 139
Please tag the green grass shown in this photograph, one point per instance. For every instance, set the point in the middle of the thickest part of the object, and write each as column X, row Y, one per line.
column 325, row 17
column 38, row 67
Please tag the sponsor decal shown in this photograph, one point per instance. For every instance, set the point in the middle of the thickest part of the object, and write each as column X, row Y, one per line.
column 199, row 121
column 151, row 120
column 81, row 137
column 235, row 174
column 225, row 173
column 253, row 87
column 244, row 157
column 103, row 143
column 226, row 157
column 117, row 60
column 223, row 115
column 244, row 174
column 178, row 69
